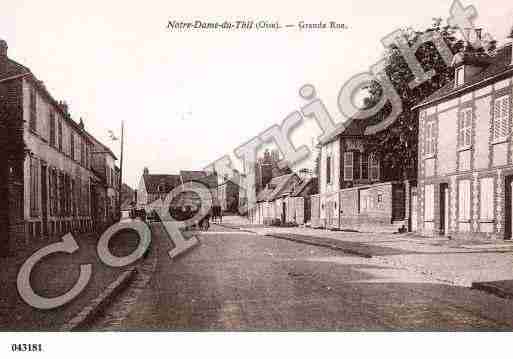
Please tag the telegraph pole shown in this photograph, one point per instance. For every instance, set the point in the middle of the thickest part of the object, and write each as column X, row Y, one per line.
column 121, row 168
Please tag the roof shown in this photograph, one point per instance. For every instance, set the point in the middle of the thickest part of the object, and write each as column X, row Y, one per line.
column 152, row 182
column 353, row 127
column 497, row 65
column 303, row 185
column 192, row 175
column 278, row 186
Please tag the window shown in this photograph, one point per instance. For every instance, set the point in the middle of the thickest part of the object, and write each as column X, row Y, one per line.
column 365, row 166
column 430, row 140
column 328, row 169
column 374, row 168
column 464, row 200
column 52, row 128
column 33, row 109
column 72, row 144
column 356, row 165
column 348, row 166
column 501, row 118
column 486, row 198
column 59, row 130
column 460, row 76
column 465, row 128
column 34, row 186
column 429, row 202
column 62, row 195
column 82, row 153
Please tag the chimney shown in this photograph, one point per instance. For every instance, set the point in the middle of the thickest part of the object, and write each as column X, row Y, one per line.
column 81, row 123
column 146, row 171
column 3, row 48
column 64, row 106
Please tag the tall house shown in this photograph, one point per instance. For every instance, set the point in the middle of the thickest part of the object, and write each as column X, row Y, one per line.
column 465, row 171
column 50, row 184
column 351, row 192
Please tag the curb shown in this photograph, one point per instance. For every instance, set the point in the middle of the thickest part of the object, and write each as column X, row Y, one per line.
column 100, row 302
column 348, row 251
column 235, row 227
column 491, row 289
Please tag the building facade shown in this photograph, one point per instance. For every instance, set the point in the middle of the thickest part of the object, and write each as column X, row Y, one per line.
column 50, row 188
column 465, row 150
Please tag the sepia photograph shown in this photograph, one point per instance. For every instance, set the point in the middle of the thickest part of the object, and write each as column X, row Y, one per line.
column 274, row 175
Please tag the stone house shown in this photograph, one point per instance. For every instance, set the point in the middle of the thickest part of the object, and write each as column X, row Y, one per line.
column 351, row 191
column 465, row 171
column 50, row 189
column 271, row 202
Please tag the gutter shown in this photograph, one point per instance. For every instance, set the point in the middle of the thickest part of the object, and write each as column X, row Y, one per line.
column 465, row 89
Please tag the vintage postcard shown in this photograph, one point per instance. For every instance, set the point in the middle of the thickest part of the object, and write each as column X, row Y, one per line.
column 275, row 166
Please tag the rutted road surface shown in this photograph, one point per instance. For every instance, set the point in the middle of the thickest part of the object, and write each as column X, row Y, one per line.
column 241, row 281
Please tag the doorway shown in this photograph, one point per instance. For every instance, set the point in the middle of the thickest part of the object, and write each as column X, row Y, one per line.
column 283, row 211
column 444, row 209
column 508, row 210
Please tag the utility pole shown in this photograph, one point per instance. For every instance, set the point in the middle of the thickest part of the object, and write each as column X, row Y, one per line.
column 121, row 168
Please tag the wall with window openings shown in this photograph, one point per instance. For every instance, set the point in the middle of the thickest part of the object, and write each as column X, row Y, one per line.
column 57, row 176
column 465, row 144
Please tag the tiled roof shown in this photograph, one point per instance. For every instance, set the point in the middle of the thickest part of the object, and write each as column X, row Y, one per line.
column 496, row 65
column 303, row 185
column 356, row 128
column 192, row 175
column 169, row 182
column 277, row 187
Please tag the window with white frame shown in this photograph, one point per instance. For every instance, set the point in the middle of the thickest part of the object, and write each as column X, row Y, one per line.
column 465, row 128
column 460, row 76
column 374, row 167
column 464, row 200
column 501, row 118
column 328, row 169
column 429, row 202
column 486, row 198
column 430, row 140
column 348, row 166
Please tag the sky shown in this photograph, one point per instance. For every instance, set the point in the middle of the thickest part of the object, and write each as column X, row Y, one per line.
column 190, row 97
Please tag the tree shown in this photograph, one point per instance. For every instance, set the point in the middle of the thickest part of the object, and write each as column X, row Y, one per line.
column 398, row 145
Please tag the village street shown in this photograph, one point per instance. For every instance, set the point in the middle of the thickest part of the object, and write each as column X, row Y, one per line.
column 238, row 280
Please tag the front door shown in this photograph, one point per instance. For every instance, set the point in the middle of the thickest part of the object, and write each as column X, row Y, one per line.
column 44, row 199
column 283, row 212
column 508, row 210
column 444, row 209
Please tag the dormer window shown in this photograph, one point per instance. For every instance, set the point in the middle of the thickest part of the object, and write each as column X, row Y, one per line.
column 460, row 76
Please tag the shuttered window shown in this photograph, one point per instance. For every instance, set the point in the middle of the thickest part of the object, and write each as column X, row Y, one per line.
column 33, row 109
column 328, row 169
column 430, row 140
column 464, row 200
column 365, row 166
column 486, row 198
column 465, row 127
column 501, row 118
column 348, row 166
column 59, row 135
column 34, row 186
column 72, row 145
column 356, row 165
column 429, row 202
column 374, row 168
column 52, row 128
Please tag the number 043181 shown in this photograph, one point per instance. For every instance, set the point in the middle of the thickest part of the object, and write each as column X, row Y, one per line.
column 26, row 347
